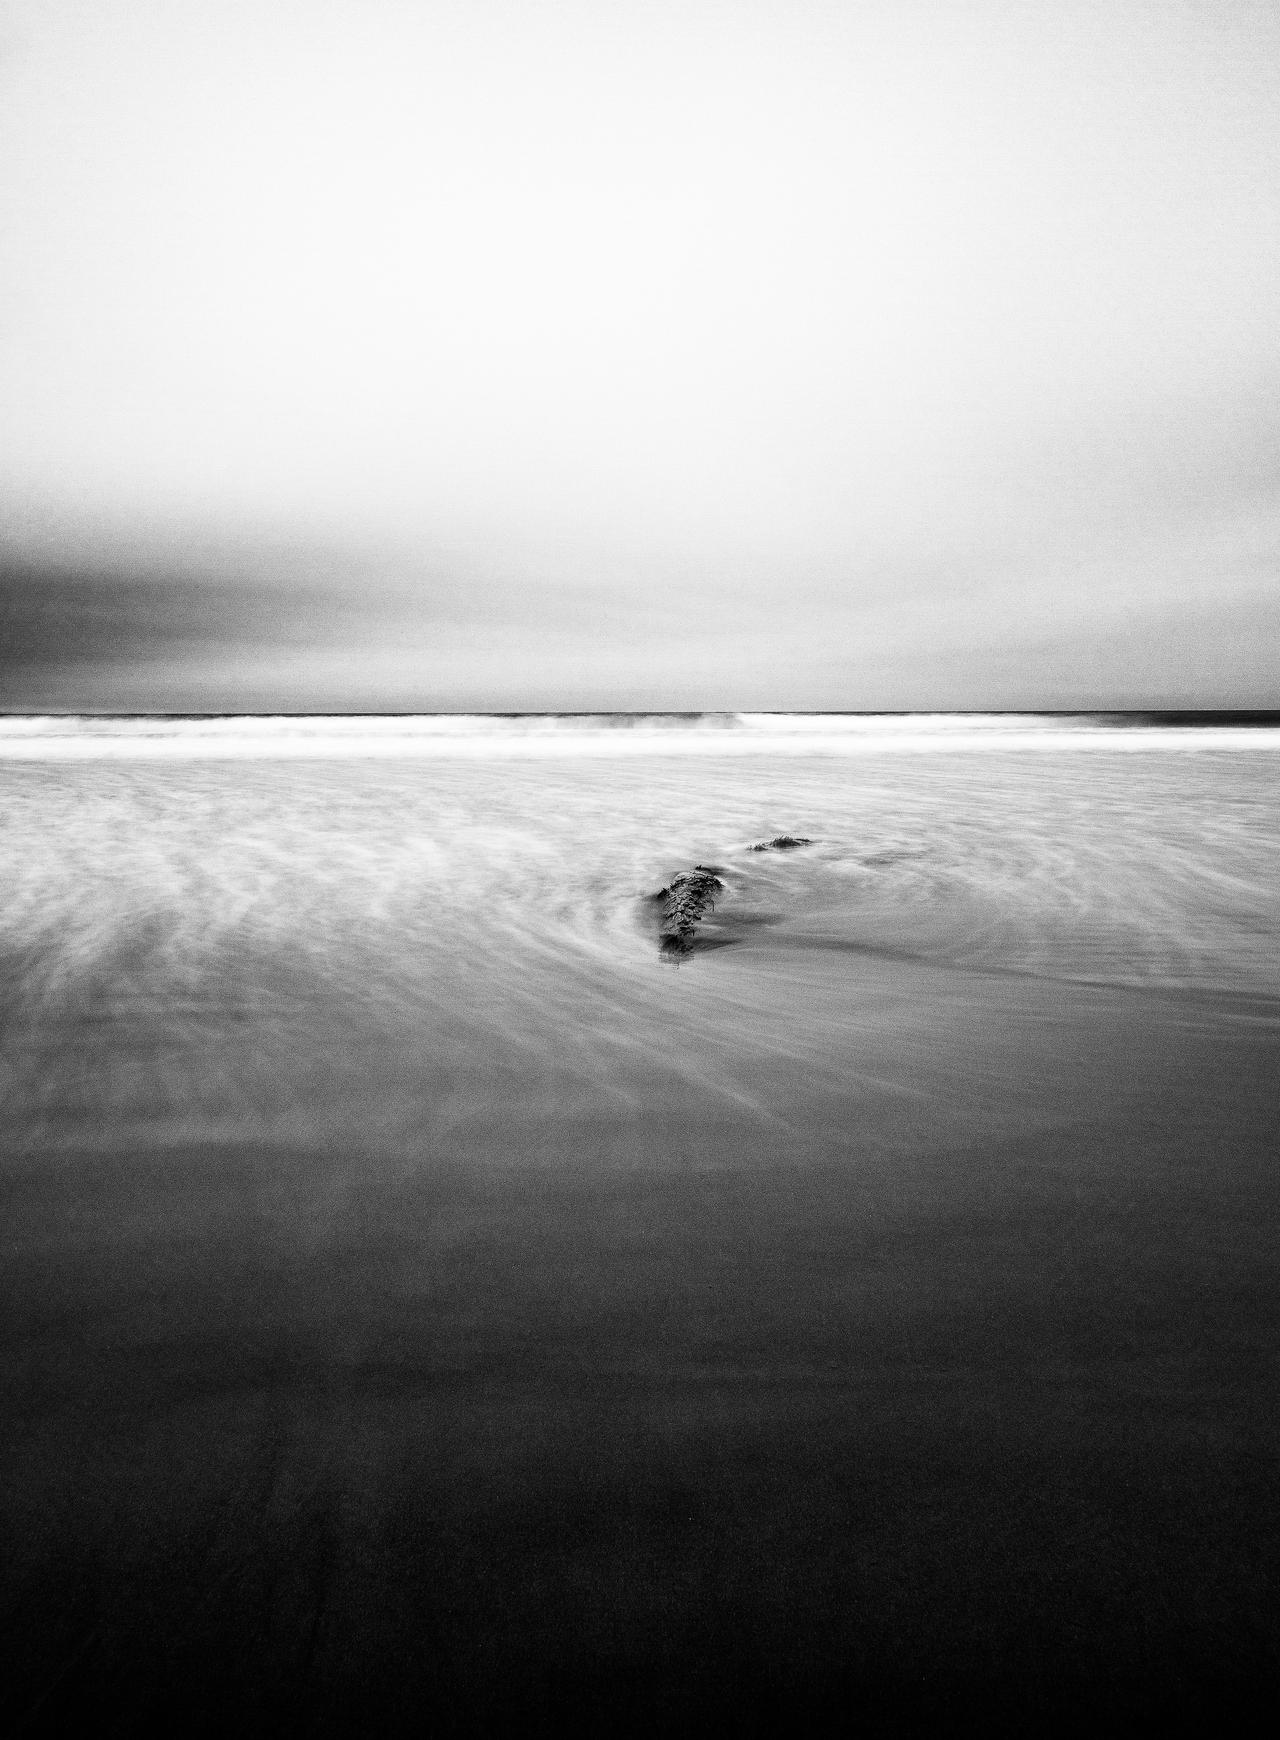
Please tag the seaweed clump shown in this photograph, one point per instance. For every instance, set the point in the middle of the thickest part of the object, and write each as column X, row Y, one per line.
column 782, row 843
column 690, row 896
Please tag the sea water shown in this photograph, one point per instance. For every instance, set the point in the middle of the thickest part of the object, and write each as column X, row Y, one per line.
column 485, row 887
column 427, row 1303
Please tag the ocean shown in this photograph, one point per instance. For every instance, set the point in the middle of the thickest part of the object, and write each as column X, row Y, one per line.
column 428, row 1302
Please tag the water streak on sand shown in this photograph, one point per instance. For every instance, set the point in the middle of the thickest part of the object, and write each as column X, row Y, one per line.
column 496, row 907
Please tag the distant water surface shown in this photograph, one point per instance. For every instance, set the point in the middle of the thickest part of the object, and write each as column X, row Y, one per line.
column 75, row 736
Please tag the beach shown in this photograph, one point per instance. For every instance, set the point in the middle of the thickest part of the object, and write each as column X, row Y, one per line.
column 426, row 1306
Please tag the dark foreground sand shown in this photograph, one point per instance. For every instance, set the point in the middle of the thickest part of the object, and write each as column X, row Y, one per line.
column 937, row 1397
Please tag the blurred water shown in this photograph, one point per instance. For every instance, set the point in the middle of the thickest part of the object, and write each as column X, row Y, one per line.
column 176, row 737
column 159, row 916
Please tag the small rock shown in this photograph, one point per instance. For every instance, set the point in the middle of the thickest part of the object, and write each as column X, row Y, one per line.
column 689, row 897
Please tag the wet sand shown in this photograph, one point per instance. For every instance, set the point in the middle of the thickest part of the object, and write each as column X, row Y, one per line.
column 913, row 1373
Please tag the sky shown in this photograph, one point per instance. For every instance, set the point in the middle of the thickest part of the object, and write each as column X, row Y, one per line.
column 518, row 355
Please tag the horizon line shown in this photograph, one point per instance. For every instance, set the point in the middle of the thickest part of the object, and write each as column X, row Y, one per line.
column 1270, row 715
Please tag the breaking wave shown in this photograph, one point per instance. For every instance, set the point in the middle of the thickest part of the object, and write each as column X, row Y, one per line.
column 478, row 736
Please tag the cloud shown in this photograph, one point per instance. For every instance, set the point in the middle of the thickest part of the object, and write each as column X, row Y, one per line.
column 660, row 347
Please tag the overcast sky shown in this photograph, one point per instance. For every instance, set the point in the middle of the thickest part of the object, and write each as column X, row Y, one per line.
column 496, row 355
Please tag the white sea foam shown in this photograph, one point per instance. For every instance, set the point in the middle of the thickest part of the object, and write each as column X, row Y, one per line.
column 495, row 908
column 481, row 736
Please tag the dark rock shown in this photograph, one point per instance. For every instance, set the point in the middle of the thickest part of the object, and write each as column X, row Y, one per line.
column 782, row 843
column 690, row 896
